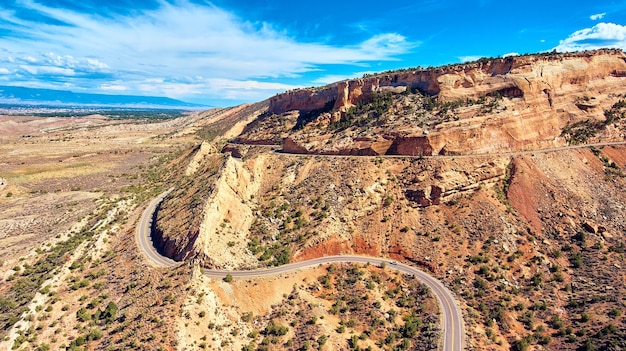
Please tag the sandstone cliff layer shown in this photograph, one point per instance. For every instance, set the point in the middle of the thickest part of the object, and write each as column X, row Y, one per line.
column 530, row 76
column 489, row 106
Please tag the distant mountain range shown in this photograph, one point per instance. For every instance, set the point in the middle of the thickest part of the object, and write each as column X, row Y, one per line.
column 37, row 97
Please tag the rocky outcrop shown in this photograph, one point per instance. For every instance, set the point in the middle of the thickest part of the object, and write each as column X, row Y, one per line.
column 202, row 151
column 236, row 150
column 227, row 217
column 507, row 104
column 292, row 147
column 357, row 147
column 303, row 100
column 442, row 183
column 427, row 196
column 207, row 216
column 532, row 77
column 410, row 146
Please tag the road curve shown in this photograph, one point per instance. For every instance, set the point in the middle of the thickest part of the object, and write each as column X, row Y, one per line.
column 144, row 234
column 452, row 319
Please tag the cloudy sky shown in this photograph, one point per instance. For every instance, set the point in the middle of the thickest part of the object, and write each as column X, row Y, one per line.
column 226, row 52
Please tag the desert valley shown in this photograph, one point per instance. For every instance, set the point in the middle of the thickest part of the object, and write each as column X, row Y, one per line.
column 502, row 180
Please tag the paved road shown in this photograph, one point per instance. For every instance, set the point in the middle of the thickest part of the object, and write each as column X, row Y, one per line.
column 144, row 231
column 452, row 319
column 276, row 149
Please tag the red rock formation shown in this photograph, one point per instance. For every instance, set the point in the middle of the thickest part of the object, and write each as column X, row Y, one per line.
column 235, row 150
column 541, row 94
column 425, row 197
column 411, row 146
column 530, row 76
column 303, row 100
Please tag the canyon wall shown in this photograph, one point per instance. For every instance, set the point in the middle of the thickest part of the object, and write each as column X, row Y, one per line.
column 537, row 96
column 534, row 77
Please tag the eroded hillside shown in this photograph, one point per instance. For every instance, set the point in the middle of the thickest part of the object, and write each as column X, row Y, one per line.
column 530, row 241
column 523, row 240
column 510, row 104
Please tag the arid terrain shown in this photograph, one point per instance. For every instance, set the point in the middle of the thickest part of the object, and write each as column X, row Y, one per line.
column 502, row 178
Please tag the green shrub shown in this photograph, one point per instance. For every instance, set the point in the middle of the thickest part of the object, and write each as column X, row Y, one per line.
column 95, row 334
column 83, row 315
column 110, row 312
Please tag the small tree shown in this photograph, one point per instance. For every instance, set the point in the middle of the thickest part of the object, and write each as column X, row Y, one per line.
column 520, row 345
column 110, row 312
column 228, row 278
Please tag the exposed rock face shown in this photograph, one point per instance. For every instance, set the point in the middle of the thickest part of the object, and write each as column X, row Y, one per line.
column 178, row 219
column 411, row 146
column 303, row 100
column 539, row 95
column 236, row 150
column 428, row 196
column 205, row 149
column 354, row 147
column 537, row 78
column 440, row 183
column 292, row 147
column 227, row 211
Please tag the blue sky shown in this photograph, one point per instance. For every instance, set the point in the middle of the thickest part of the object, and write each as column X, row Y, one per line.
column 227, row 52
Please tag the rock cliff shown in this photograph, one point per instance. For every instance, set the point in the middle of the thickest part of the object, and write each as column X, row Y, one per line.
column 534, row 77
column 492, row 105
column 522, row 239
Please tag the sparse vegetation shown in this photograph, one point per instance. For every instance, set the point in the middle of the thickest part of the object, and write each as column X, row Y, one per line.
column 580, row 132
column 535, row 260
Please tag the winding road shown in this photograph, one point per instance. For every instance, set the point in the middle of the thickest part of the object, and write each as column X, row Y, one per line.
column 452, row 319
column 143, row 234
column 453, row 334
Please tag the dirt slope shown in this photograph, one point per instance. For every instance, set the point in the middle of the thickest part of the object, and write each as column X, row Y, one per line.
column 532, row 243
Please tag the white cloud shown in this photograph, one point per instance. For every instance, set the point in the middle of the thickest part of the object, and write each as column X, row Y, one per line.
column 597, row 16
column 332, row 78
column 510, row 54
column 96, row 65
column 247, row 85
column 599, row 36
column 85, row 65
column 113, row 87
column 61, row 61
column 48, row 70
column 173, row 42
column 386, row 45
column 4, row 71
column 469, row 58
column 226, row 88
